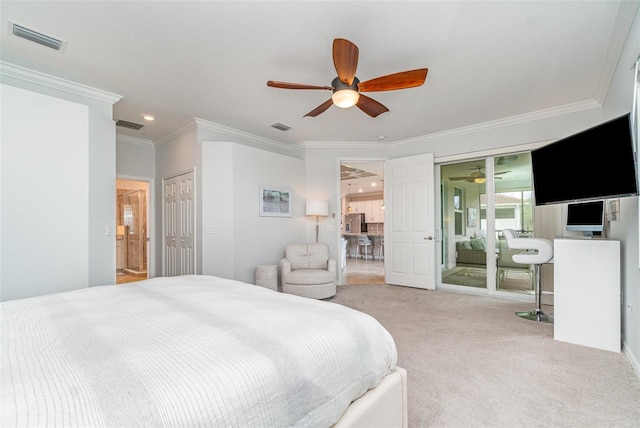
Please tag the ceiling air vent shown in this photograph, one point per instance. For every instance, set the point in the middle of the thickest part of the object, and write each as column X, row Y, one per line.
column 37, row 37
column 281, row 127
column 130, row 125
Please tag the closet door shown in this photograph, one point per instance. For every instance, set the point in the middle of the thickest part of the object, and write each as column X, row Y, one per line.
column 179, row 221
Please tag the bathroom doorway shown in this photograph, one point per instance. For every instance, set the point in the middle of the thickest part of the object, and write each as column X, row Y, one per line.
column 132, row 208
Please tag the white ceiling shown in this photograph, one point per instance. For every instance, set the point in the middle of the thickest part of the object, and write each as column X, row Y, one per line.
column 487, row 60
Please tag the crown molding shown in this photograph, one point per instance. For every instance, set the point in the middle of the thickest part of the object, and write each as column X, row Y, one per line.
column 231, row 133
column 345, row 144
column 47, row 80
column 134, row 140
column 472, row 129
column 187, row 126
column 236, row 134
column 268, row 144
column 501, row 123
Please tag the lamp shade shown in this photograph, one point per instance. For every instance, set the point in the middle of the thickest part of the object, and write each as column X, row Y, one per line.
column 320, row 208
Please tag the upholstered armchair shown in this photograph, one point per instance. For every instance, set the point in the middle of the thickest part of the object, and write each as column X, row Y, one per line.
column 307, row 270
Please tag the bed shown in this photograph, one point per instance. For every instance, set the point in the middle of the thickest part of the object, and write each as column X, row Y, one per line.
column 195, row 351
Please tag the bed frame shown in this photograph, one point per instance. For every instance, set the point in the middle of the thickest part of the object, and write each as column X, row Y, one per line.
column 383, row 406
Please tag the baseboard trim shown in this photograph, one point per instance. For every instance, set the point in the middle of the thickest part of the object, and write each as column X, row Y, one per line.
column 632, row 359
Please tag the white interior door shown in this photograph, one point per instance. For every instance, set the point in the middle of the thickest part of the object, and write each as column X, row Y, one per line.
column 409, row 222
column 179, row 221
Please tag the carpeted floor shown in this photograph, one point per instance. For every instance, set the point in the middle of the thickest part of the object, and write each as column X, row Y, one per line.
column 472, row 363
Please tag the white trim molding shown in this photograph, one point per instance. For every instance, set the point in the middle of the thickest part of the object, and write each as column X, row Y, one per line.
column 133, row 140
column 47, row 80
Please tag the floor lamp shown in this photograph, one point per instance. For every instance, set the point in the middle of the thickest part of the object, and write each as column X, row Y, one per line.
column 318, row 208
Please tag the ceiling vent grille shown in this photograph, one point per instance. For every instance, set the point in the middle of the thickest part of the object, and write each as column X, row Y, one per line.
column 37, row 37
column 130, row 125
column 281, row 127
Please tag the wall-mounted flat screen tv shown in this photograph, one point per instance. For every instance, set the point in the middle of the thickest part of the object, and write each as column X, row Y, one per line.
column 598, row 163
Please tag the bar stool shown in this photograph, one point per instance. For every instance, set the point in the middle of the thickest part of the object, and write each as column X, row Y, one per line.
column 381, row 252
column 363, row 241
column 543, row 254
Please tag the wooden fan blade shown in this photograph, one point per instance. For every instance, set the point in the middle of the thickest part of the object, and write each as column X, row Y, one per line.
column 503, row 172
column 390, row 82
column 345, row 59
column 370, row 106
column 286, row 85
column 460, row 178
column 320, row 109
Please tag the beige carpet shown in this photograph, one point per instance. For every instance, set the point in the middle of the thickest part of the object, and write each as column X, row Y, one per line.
column 472, row 363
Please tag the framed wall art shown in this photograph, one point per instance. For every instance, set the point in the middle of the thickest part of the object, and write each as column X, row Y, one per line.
column 275, row 201
column 471, row 217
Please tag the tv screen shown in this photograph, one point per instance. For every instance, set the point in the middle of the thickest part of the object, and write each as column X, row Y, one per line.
column 598, row 163
column 586, row 217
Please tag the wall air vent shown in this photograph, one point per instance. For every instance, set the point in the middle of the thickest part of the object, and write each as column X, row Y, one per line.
column 130, row 125
column 37, row 37
column 281, row 127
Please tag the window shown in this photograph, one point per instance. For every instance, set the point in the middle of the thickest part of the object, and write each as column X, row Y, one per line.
column 458, row 194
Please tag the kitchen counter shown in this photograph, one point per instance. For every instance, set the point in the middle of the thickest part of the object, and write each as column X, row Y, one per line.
column 375, row 238
column 363, row 233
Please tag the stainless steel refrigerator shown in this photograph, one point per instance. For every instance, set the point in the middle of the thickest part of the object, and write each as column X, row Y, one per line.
column 355, row 223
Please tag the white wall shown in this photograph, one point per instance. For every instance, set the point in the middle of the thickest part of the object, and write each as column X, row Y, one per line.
column 242, row 239
column 45, row 221
column 135, row 158
column 58, row 185
column 231, row 237
column 218, row 206
column 619, row 100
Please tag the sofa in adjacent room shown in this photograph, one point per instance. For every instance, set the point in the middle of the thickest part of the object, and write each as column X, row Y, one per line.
column 471, row 252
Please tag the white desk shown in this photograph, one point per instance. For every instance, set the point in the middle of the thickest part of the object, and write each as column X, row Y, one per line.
column 587, row 292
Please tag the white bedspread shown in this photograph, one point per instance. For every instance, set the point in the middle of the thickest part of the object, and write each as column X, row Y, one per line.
column 185, row 351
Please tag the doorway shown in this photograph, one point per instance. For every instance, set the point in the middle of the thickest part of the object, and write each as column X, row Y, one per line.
column 132, row 220
column 480, row 198
column 362, row 222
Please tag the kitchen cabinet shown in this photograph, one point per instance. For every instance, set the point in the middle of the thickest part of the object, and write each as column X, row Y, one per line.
column 368, row 211
column 372, row 210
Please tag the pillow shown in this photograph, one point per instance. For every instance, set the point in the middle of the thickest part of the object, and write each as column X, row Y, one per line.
column 480, row 233
column 463, row 245
column 478, row 244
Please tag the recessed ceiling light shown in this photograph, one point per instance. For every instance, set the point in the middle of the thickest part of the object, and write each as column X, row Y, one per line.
column 360, row 190
column 148, row 117
column 381, row 137
column 373, row 184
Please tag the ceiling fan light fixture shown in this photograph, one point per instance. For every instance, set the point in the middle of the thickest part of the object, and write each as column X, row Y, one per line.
column 345, row 98
column 480, row 180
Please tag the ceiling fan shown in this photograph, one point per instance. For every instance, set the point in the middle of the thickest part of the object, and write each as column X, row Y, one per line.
column 478, row 176
column 347, row 88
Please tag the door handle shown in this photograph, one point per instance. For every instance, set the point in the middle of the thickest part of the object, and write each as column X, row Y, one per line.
column 430, row 238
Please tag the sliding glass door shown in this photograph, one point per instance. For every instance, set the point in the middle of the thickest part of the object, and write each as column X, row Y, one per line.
column 479, row 198
column 513, row 209
column 464, row 249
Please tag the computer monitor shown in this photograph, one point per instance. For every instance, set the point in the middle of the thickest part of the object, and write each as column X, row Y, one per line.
column 586, row 217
